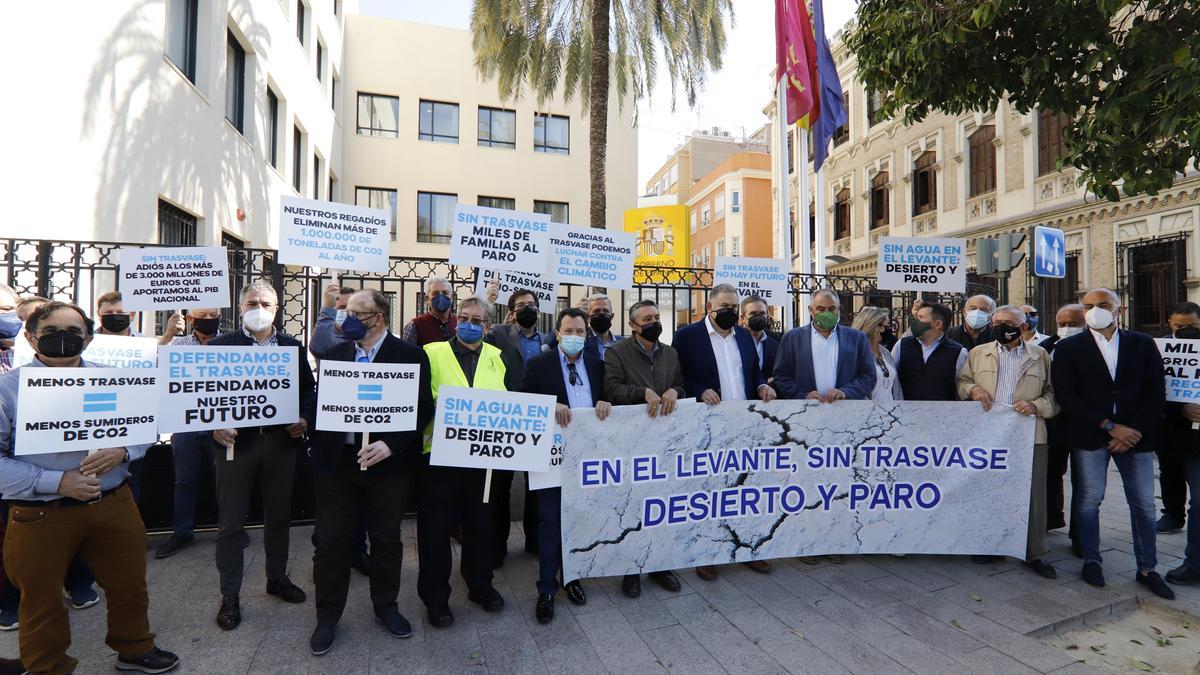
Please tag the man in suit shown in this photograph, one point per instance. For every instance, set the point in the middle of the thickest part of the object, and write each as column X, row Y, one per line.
column 353, row 479
column 1184, row 441
column 928, row 361
column 1069, row 321
column 576, row 380
column 756, row 317
column 977, row 322
column 824, row 361
column 1171, row 470
column 269, row 450
column 327, row 333
column 1109, row 383
column 600, row 317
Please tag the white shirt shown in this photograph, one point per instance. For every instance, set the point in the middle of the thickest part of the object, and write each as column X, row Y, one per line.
column 1009, row 372
column 927, row 351
column 1108, row 349
column 729, row 363
column 883, row 380
column 824, row 359
column 1036, row 338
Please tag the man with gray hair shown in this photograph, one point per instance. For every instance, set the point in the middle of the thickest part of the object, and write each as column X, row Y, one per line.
column 438, row 323
column 600, row 320
column 977, row 318
column 824, row 361
column 10, row 326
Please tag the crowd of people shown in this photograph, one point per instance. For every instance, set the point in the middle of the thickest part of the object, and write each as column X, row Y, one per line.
column 1095, row 389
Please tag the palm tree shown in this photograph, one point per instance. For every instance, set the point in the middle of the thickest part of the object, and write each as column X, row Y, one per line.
column 542, row 44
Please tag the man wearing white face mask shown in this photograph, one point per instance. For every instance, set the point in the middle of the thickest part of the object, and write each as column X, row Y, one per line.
column 271, row 448
column 1111, row 388
column 977, row 319
column 1069, row 320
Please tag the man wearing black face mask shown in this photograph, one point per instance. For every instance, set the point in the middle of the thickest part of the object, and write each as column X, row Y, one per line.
column 928, row 361
column 756, row 317
column 114, row 320
column 521, row 328
column 600, row 320
column 1185, row 323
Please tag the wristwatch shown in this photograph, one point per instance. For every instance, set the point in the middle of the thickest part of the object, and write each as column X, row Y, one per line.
column 1108, row 425
column 126, row 460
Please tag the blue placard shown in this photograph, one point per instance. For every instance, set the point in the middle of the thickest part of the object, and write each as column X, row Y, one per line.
column 1049, row 252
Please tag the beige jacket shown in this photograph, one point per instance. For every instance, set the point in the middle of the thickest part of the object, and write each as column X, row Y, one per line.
column 982, row 369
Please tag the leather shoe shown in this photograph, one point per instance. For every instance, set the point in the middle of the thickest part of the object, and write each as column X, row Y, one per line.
column 1093, row 574
column 285, row 590
column 760, row 566
column 173, row 545
column 154, row 661
column 575, row 593
column 395, row 624
column 489, row 599
column 11, row 667
column 1184, row 576
column 631, row 585
column 707, row 572
column 440, row 616
column 667, row 580
column 1169, row 522
column 229, row 616
column 1156, row 585
column 322, row 638
column 1042, row 568
column 545, row 608
column 361, row 563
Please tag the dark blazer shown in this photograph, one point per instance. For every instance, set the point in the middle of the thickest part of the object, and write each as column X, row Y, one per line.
column 770, row 353
column 591, row 345
column 1049, row 343
column 503, row 338
column 543, row 375
column 699, row 363
column 308, row 384
column 406, row 446
column 794, row 376
column 1087, row 394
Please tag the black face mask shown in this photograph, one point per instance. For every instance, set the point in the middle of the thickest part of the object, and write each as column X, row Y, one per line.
column 60, row 344
column 1188, row 333
column 1006, row 334
column 115, row 323
column 725, row 318
column 758, row 323
column 600, row 323
column 206, row 326
column 652, row 331
column 527, row 316
column 919, row 327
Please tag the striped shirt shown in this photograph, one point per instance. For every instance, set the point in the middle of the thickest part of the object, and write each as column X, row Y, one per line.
column 1009, row 372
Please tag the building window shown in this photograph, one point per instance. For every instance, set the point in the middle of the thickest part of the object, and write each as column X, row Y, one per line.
column 879, row 200
column 435, row 216
column 235, row 83
column 983, row 160
column 720, row 247
column 273, row 127
column 176, row 227
column 791, row 160
column 707, row 259
column 316, row 181
column 332, row 195
column 378, row 198
column 874, row 103
column 793, row 231
column 498, row 203
column 301, row 21
column 812, row 224
column 736, row 246
column 181, row 35
column 497, row 128
column 378, row 115
column 333, row 92
column 297, row 159
column 695, row 215
column 674, row 174
column 719, row 206
column 551, row 134
column 841, row 215
column 735, row 202
column 320, row 62
column 439, row 122
column 842, row 133
column 1051, row 144
column 559, row 212
column 705, row 216
column 924, row 183
column 337, row 8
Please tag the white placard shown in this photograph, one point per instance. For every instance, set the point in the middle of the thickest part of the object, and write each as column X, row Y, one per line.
column 765, row 277
column 163, row 278
column 115, row 351
column 922, row 264
column 509, row 281
column 590, row 256
column 488, row 429
column 74, row 409
column 218, row 387
column 552, row 477
column 367, row 397
column 1181, row 363
column 500, row 239
column 333, row 236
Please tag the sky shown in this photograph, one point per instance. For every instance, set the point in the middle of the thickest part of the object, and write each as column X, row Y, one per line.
column 733, row 98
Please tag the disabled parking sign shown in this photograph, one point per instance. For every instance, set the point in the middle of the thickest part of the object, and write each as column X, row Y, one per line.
column 1049, row 252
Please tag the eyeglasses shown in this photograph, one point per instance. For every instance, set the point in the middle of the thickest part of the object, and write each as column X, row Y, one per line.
column 574, row 374
column 362, row 315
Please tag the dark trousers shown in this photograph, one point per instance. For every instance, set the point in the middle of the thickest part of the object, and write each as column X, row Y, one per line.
column 274, row 452
column 190, row 451
column 78, row 576
column 38, row 547
column 1059, row 459
column 549, row 539
column 344, row 498
column 449, row 496
column 1172, row 477
column 502, row 515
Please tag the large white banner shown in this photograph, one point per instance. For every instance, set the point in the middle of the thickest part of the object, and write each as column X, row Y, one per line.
column 69, row 409
column 1181, row 364
column 367, row 396
column 203, row 388
column 174, row 278
column 749, row 481
column 765, row 277
column 487, row 429
column 333, row 235
column 591, row 257
column 500, row 239
column 116, row 351
column 922, row 264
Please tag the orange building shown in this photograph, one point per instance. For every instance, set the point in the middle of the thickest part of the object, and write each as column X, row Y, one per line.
column 731, row 210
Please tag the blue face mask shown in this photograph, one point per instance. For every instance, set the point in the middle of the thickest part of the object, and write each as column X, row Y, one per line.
column 441, row 303
column 977, row 318
column 10, row 325
column 1032, row 322
column 353, row 328
column 571, row 344
column 469, row 333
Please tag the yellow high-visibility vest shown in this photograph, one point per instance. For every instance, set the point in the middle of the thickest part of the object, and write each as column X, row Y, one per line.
column 444, row 369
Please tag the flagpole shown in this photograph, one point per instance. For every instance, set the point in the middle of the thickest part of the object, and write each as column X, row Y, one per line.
column 819, row 263
column 802, row 212
column 783, row 190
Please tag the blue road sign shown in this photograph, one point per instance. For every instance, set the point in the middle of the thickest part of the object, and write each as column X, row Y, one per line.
column 1049, row 252
column 370, row 392
column 100, row 402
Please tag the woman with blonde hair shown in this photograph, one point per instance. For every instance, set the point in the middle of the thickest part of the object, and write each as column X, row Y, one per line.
column 873, row 321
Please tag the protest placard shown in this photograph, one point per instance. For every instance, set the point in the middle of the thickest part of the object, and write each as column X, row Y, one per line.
column 1181, row 363
column 552, row 477
column 591, row 257
column 922, row 264
column 500, row 239
column 209, row 387
column 333, row 235
column 765, row 277
column 508, row 281
column 486, row 429
column 161, row 278
column 115, row 351
column 70, row 409
column 366, row 397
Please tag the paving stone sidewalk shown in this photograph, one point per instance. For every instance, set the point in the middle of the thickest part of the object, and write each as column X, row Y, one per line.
column 874, row 614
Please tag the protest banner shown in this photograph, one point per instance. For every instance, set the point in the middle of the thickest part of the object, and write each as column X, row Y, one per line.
column 333, row 235
column 922, row 264
column 74, row 409
column 500, row 239
column 487, row 429
column 1181, row 364
column 552, row 477
column 364, row 397
column 508, row 281
column 591, row 257
column 115, row 351
column 164, row 278
column 736, row 482
column 765, row 277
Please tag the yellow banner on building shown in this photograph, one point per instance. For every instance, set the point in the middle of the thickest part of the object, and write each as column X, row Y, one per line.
column 662, row 235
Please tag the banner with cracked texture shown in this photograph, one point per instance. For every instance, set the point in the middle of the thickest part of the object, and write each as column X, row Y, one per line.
column 747, row 480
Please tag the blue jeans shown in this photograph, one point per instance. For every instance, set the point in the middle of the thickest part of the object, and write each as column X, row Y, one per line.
column 1191, row 472
column 1137, row 477
column 190, row 451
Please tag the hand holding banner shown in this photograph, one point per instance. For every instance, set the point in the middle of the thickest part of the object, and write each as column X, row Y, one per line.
column 205, row 388
column 487, row 429
column 500, row 239
column 922, row 264
column 153, row 279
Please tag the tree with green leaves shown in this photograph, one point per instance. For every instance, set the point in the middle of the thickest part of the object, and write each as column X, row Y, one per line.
column 542, row 45
column 1128, row 73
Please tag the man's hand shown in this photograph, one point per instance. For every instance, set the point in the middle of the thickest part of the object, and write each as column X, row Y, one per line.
column 78, row 486
column 1192, row 412
column 102, row 461
column 669, row 399
column 1025, row 408
column 602, row 410
column 1117, row 447
column 980, row 394
column 225, row 437
column 373, row 454
column 330, row 296
column 710, row 397
column 176, row 325
column 298, row 429
column 653, row 401
column 493, row 291
column 916, row 306
column 562, row 415
column 1127, row 435
column 834, row 394
column 582, row 305
column 815, row 396
column 767, row 394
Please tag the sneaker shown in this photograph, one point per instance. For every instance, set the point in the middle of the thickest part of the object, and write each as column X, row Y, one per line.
column 9, row 620
column 1182, row 576
column 81, row 598
column 1156, row 585
column 1170, row 523
column 172, row 546
column 156, row 661
column 285, row 590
